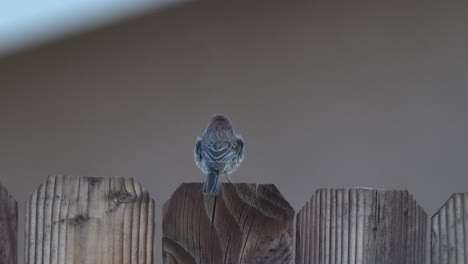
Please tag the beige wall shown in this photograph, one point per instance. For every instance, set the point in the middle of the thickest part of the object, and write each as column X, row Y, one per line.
column 325, row 94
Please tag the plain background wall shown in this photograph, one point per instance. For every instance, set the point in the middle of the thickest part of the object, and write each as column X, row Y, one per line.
column 326, row 94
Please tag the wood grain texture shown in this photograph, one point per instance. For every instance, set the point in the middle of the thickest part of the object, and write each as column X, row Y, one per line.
column 449, row 235
column 361, row 226
column 88, row 220
column 244, row 224
column 8, row 227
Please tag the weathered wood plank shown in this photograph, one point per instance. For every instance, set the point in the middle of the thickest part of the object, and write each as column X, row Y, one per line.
column 8, row 227
column 449, row 232
column 88, row 220
column 244, row 224
column 361, row 226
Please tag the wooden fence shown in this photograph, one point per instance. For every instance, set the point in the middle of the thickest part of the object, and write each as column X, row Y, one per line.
column 361, row 226
column 84, row 220
column 8, row 227
column 87, row 220
column 245, row 223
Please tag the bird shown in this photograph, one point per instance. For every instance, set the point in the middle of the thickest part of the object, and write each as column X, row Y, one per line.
column 218, row 152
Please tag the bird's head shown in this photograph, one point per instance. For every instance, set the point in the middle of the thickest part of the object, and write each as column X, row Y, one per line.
column 220, row 123
column 220, row 119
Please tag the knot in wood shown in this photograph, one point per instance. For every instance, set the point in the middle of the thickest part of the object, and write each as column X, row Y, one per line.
column 77, row 220
column 94, row 180
column 124, row 197
column 405, row 212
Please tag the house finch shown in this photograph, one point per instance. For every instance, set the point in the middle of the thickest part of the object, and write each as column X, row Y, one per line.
column 218, row 152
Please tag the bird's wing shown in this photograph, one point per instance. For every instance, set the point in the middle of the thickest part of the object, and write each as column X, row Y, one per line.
column 217, row 155
column 235, row 157
column 199, row 157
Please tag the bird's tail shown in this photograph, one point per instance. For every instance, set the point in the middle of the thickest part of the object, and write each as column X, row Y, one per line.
column 211, row 185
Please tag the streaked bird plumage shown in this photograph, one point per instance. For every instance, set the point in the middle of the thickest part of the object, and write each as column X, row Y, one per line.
column 219, row 151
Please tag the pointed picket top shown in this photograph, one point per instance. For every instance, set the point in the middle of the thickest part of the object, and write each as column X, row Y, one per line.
column 244, row 223
column 361, row 226
column 8, row 227
column 89, row 220
column 449, row 232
